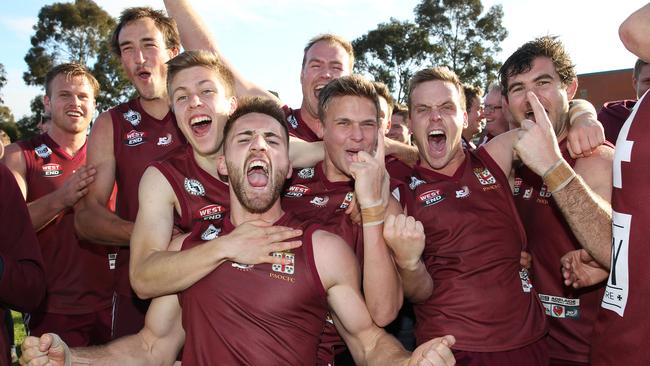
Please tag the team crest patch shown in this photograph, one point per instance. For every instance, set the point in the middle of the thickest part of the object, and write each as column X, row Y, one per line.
column 292, row 121
column 528, row 193
column 431, row 197
column 288, row 263
column 212, row 212
column 543, row 192
column 320, row 201
column 133, row 117
column 347, row 200
column 306, row 173
column 194, row 187
column 134, row 138
column 165, row 140
column 210, row 233
column 43, row 151
column 517, row 187
column 297, row 190
column 415, row 182
column 52, row 170
column 462, row 192
column 484, row 176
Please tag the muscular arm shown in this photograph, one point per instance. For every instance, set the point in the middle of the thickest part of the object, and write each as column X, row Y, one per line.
column 195, row 35
column 93, row 220
column 368, row 343
column 585, row 204
column 406, row 153
column 303, row 154
column 634, row 33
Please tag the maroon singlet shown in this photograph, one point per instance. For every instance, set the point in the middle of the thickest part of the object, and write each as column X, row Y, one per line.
column 473, row 243
column 201, row 196
column 571, row 313
column 297, row 126
column 138, row 139
column 78, row 273
column 259, row 314
column 621, row 334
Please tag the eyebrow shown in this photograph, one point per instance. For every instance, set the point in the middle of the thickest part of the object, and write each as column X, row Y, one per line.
column 146, row 39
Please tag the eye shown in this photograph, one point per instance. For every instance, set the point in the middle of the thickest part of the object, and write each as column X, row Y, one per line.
column 181, row 98
column 208, row 91
column 149, row 45
column 516, row 89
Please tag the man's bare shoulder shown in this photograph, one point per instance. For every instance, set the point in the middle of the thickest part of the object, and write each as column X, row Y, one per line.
column 599, row 162
column 335, row 260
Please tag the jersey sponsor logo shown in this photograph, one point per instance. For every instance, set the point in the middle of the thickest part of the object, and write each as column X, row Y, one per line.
column 210, row 233
column 288, row 265
column 211, row 212
column 617, row 290
column 52, row 170
column 306, row 173
column 165, row 140
column 528, row 193
column 194, row 187
column 463, row 192
column 293, row 122
column 347, row 200
column 431, row 197
column 243, row 267
column 320, row 201
column 133, row 117
column 134, row 138
column 297, row 190
column 560, row 307
column 43, row 151
column 517, row 187
column 112, row 259
column 484, row 176
column 415, row 182
column 526, row 285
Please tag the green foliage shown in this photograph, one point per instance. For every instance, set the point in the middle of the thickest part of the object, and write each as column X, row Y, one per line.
column 3, row 80
column 28, row 125
column 391, row 53
column 453, row 33
column 76, row 32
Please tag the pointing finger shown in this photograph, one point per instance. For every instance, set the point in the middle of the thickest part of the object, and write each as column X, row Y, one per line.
column 538, row 110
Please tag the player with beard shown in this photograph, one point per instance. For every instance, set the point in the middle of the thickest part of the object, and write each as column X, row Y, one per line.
column 188, row 188
column 279, row 307
column 52, row 173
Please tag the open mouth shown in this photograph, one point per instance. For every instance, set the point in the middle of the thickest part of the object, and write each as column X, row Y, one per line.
column 74, row 114
column 437, row 140
column 257, row 173
column 200, row 125
column 317, row 90
column 144, row 75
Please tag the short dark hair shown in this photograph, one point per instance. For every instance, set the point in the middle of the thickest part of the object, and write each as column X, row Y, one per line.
column 440, row 73
column 70, row 70
column 165, row 24
column 382, row 91
column 401, row 110
column 332, row 39
column 471, row 92
column 352, row 85
column 203, row 58
column 262, row 105
column 638, row 65
column 521, row 60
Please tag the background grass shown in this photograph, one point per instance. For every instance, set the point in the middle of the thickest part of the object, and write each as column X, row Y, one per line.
column 19, row 331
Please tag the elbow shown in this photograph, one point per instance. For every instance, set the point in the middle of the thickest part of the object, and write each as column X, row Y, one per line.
column 383, row 314
column 80, row 226
column 139, row 284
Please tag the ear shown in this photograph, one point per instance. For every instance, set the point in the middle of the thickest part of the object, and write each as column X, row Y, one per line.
column 222, row 167
column 173, row 52
column 388, row 124
column 290, row 171
column 465, row 123
column 47, row 104
column 572, row 88
column 233, row 105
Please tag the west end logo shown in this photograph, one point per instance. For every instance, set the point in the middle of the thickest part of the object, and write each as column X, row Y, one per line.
column 212, row 212
column 297, row 190
column 52, row 170
column 431, row 197
column 134, row 138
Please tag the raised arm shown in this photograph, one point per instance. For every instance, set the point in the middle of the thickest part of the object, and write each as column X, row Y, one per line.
column 369, row 344
column 634, row 33
column 195, row 35
column 93, row 220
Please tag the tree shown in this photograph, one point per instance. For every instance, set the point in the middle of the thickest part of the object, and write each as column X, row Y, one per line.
column 453, row 33
column 28, row 125
column 468, row 41
column 76, row 32
column 3, row 80
column 392, row 53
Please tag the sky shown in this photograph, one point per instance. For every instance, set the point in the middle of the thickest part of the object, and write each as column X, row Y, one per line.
column 265, row 42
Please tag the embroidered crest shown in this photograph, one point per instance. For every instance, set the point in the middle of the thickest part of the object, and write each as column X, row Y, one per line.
column 194, row 187
column 463, row 192
column 210, row 233
column 133, row 117
column 292, row 121
column 306, row 173
column 165, row 140
column 347, row 200
column 288, row 263
column 43, row 151
column 415, row 182
column 320, row 201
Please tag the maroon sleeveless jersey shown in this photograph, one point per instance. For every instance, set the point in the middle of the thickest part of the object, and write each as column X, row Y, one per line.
column 138, row 139
column 201, row 196
column 571, row 312
column 621, row 334
column 259, row 314
column 297, row 126
column 79, row 275
column 473, row 246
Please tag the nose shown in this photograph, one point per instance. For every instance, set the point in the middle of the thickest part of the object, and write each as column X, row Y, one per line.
column 258, row 143
column 195, row 101
column 355, row 133
column 435, row 114
column 138, row 56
